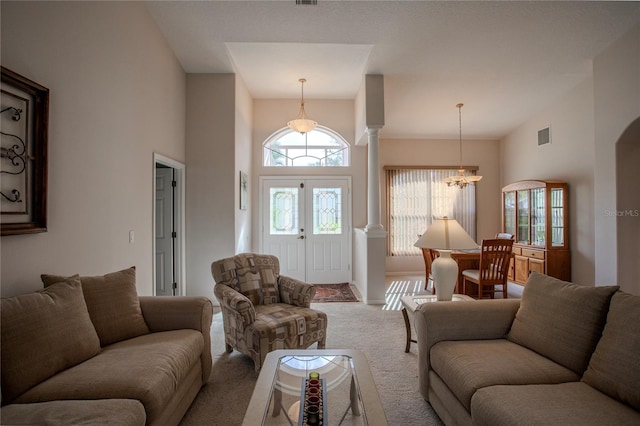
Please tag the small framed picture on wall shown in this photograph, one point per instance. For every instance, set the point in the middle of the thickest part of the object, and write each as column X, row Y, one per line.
column 244, row 184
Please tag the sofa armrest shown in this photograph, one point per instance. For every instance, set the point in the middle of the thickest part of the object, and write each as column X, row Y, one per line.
column 164, row 313
column 466, row 320
column 295, row 292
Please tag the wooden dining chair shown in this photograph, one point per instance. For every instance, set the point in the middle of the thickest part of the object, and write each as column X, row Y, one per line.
column 504, row 235
column 429, row 256
column 495, row 255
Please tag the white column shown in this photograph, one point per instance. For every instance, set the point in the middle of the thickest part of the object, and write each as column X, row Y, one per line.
column 373, row 194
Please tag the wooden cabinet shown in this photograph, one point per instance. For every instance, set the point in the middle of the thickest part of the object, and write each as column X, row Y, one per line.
column 537, row 213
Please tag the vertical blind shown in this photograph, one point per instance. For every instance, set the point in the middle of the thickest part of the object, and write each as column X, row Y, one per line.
column 415, row 197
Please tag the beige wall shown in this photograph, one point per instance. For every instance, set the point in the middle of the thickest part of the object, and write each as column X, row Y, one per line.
column 617, row 103
column 117, row 95
column 243, row 157
column 422, row 152
column 211, row 176
column 586, row 124
column 271, row 115
column 570, row 158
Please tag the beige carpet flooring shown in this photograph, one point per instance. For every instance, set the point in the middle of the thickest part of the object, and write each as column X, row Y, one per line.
column 379, row 333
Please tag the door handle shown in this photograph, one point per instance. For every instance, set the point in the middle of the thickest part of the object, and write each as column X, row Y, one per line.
column 301, row 237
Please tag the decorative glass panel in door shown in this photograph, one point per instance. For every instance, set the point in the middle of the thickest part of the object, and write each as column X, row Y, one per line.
column 538, row 217
column 510, row 213
column 557, row 218
column 284, row 211
column 327, row 211
column 523, row 217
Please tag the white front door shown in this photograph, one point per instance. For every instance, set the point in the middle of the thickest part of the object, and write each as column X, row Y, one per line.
column 306, row 223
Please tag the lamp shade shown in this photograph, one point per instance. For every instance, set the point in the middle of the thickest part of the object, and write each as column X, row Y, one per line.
column 446, row 234
column 302, row 125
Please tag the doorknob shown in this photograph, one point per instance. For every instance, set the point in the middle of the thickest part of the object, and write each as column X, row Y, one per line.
column 301, row 237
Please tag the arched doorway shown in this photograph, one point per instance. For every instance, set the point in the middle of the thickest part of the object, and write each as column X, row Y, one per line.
column 628, row 208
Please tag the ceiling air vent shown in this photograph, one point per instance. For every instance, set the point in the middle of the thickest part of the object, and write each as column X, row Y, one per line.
column 307, row 2
column 544, row 136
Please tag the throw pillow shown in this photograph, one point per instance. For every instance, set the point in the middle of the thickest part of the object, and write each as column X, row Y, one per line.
column 614, row 368
column 561, row 320
column 44, row 333
column 112, row 301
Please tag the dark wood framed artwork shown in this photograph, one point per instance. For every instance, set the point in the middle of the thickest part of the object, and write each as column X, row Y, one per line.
column 24, row 115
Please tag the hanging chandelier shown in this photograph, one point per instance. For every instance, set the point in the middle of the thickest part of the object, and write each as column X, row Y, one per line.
column 461, row 180
column 302, row 124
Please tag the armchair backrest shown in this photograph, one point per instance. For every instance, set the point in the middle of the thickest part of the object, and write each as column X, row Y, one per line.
column 253, row 275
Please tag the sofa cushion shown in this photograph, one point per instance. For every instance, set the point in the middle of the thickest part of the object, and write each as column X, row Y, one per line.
column 112, row 301
column 561, row 320
column 549, row 404
column 43, row 333
column 615, row 365
column 148, row 368
column 468, row 365
column 253, row 275
column 101, row 412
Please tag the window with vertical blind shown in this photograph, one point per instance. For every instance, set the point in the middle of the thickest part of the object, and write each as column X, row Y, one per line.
column 417, row 196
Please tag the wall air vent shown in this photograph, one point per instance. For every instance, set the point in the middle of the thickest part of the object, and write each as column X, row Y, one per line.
column 544, row 136
column 307, row 2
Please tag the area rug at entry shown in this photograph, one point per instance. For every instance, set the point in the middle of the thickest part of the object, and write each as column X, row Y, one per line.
column 334, row 293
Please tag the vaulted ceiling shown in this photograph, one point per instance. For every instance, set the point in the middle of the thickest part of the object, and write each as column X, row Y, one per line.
column 504, row 60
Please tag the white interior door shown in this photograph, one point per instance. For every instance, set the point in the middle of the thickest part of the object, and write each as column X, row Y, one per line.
column 164, row 232
column 306, row 224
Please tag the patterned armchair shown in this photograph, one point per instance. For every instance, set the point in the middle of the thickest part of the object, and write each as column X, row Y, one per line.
column 262, row 310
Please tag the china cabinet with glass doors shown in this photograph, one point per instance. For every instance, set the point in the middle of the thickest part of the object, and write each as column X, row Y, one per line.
column 536, row 213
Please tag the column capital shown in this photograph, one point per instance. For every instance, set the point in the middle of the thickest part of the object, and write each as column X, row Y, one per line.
column 375, row 231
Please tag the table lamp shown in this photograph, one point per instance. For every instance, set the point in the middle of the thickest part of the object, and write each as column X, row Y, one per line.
column 445, row 235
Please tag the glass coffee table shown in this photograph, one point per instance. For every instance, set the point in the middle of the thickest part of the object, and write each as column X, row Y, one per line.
column 410, row 303
column 351, row 394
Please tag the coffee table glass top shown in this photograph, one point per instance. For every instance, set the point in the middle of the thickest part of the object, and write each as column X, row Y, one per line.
column 277, row 396
column 419, row 300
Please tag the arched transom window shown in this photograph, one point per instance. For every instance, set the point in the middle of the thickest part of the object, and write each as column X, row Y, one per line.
column 321, row 147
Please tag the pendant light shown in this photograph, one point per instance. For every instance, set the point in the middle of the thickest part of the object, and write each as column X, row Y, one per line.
column 302, row 124
column 461, row 180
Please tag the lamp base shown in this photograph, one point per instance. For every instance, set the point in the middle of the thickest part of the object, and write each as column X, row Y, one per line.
column 445, row 274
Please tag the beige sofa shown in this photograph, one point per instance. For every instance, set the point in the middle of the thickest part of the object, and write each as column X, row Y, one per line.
column 564, row 354
column 88, row 350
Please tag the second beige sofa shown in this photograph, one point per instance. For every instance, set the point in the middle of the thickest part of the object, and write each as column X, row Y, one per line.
column 564, row 354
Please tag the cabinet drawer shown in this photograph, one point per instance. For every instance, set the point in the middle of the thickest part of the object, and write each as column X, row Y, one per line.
column 536, row 254
column 517, row 251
